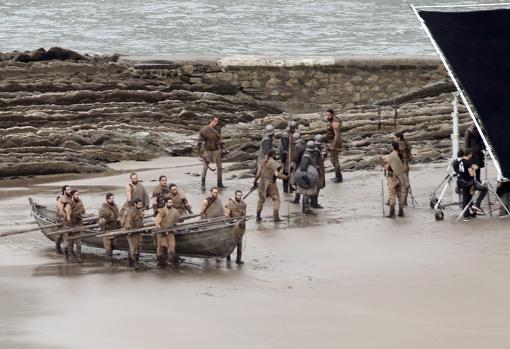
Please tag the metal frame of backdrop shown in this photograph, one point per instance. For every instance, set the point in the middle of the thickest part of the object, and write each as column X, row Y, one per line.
column 452, row 75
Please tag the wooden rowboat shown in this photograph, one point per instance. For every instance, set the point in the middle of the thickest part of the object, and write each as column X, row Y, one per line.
column 208, row 239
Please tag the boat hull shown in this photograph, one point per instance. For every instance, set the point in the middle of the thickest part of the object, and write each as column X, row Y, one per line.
column 207, row 240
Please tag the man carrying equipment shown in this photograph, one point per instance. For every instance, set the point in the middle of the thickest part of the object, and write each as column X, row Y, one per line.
column 109, row 218
column 210, row 137
column 167, row 218
column 335, row 142
column 268, row 171
column 397, row 180
column 236, row 208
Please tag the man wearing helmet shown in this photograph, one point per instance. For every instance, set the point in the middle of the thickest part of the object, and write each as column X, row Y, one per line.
column 335, row 142
column 266, row 144
column 319, row 161
column 285, row 150
column 307, row 176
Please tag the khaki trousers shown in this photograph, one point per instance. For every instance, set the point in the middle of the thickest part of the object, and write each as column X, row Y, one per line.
column 395, row 191
column 109, row 244
column 333, row 157
column 272, row 192
column 134, row 241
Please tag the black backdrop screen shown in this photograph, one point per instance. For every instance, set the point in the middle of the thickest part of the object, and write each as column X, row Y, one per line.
column 476, row 44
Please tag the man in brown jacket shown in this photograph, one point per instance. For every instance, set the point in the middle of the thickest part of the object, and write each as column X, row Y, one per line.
column 397, row 180
column 334, row 133
column 236, row 208
column 167, row 218
column 268, row 171
column 212, row 205
column 135, row 190
column 210, row 137
column 109, row 218
column 74, row 218
column 133, row 219
column 179, row 200
column 160, row 194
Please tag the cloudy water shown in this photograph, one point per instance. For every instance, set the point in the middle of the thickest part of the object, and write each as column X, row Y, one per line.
column 216, row 27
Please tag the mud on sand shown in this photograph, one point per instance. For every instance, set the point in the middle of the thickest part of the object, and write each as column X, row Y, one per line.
column 343, row 278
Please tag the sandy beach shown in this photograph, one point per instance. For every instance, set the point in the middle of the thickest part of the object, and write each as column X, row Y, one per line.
column 343, row 278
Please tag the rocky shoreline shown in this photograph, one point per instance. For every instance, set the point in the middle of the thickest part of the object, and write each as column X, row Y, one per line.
column 78, row 115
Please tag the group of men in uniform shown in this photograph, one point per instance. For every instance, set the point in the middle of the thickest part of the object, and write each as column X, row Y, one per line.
column 299, row 165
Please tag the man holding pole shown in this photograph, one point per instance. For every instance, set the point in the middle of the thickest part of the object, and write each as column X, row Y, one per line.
column 74, row 212
column 167, row 218
column 236, row 208
column 210, row 137
column 109, row 218
column 133, row 219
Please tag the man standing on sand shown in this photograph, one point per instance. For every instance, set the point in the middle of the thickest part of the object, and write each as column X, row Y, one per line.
column 236, row 208
column 167, row 217
column 334, row 134
column 109, row 218
column 135, row 191
column 397, row 180
column 179, row 200
column 64, row 198
column 133, row 219
column 269, row 170
column 210, row 138
column 160, row 194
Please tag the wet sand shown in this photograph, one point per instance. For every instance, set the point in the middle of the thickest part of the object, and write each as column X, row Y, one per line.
column 343, row 278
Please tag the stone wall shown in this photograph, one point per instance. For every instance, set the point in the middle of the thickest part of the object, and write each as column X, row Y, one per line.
column 298, row 84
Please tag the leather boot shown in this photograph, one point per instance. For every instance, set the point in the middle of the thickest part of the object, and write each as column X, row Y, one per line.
column 400, row 211
column 57, row 244
column 66, row 254
column 202, row 186
column 306, row 205
column 164, row 257
column 315, row 202
column 220, row 185
column 276, row 216
column 259, row 219
column 239, row 250
column 131, row 262
column 229, row 259
column 296, row 199
column 110, row 257
column 338, row 176
column 158, row 262
column 392, row 212
column 77, row 255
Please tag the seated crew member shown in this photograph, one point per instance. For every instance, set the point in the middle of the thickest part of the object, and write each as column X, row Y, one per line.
column 467, row 173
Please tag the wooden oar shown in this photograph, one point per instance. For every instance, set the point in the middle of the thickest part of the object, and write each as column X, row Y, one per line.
column 28, row 230
column 73, row 230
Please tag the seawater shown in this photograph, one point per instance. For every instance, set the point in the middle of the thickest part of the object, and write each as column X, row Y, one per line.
column 217, row 27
